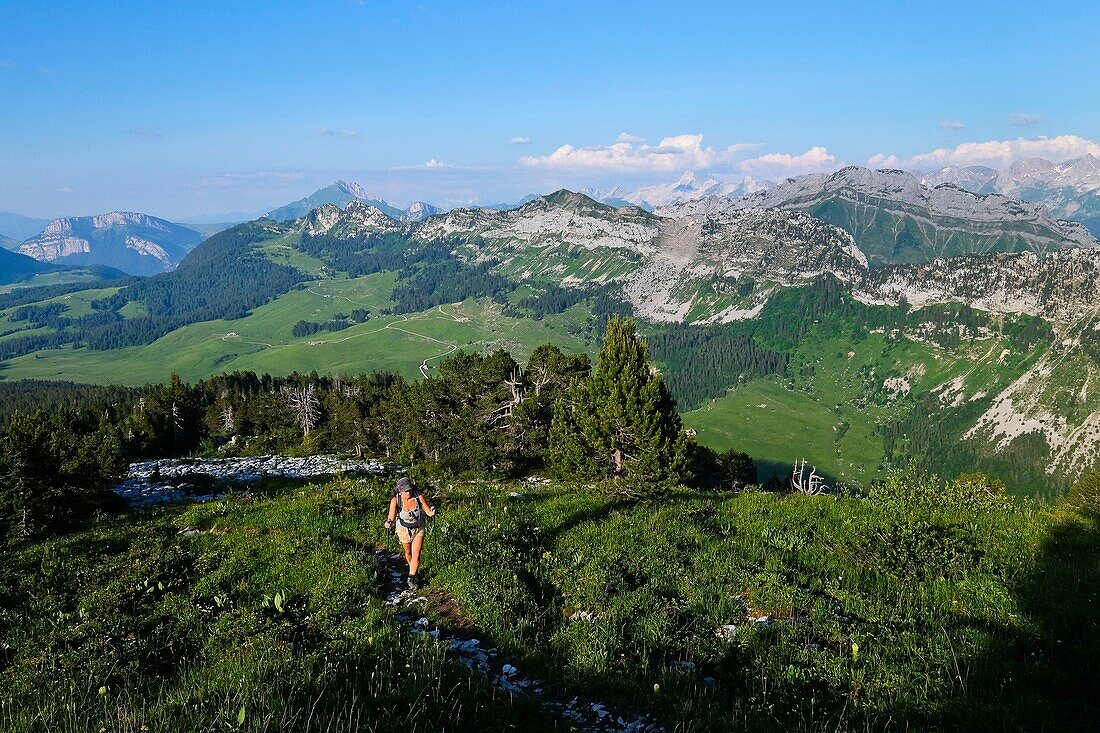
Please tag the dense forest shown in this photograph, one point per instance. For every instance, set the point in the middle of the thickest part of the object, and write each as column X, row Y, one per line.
column 482, row 414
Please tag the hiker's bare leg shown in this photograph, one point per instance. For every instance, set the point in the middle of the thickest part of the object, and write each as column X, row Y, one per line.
column 414, row 562
column 408, row 554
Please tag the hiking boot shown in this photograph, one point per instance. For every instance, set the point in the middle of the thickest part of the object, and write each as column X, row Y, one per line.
column 413, row 582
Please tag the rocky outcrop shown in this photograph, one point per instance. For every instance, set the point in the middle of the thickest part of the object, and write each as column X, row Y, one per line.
column 202, row 479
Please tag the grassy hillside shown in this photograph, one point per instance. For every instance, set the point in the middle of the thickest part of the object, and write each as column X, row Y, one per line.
column 916, row 607
column 262, row 341
column 849, row 387
column 844, row 389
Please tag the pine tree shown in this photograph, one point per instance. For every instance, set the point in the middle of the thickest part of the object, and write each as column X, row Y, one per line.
column 621, row 423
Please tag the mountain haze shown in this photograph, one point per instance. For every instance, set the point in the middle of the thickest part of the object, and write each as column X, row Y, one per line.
column 137, row 244
column 18, row 227
column 342, row 193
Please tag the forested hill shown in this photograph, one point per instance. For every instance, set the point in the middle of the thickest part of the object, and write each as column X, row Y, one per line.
column 773, row 332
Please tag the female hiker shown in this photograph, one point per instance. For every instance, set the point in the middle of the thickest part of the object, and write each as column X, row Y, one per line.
column 408, row 507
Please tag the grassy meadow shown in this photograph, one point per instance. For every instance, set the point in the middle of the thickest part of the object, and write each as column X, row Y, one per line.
column 263, row 342
column 917, row 606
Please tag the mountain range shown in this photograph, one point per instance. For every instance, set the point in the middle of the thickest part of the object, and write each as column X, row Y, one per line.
column 679, row 262
column 895, row 218
column 713, row 261
column 137, row 244
column 1069, row 190
column 342, row 193
column 997, row 345
column 689, row 187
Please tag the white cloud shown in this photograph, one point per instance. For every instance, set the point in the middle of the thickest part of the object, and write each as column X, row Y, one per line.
column 630, row 155
column 520, row 141
column 1023, row 118
column 64, row 189
column 46, row 70
column 433, row 164
column 999, row 153
column 348, row 133
column 626, row 137
column 951, row 125
column 814, row 160
column 882, row 160
column 322, row 130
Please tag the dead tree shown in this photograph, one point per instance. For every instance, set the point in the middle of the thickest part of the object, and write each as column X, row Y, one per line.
column 811, row 485
column 305, row 405
column 228, row 420
column 177, row 423
column 517, row 392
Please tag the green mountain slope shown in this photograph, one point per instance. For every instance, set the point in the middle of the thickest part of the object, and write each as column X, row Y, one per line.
column 854, row 371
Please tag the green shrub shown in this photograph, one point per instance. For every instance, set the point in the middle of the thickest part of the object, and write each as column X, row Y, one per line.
column 1084, row 495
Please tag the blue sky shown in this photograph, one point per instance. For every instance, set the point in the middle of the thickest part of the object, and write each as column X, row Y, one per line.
column 180, row 109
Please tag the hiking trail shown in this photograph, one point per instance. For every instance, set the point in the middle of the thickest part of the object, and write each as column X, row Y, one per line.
column 461, row 638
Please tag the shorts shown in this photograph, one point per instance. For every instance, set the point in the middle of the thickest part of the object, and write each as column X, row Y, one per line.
column 405, row 534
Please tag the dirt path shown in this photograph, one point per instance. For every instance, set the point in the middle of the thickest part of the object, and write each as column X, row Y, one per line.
column 462, row 639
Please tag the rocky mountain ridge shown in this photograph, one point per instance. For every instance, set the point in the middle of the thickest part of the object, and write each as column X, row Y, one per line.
column 135, row 243
column 715, row 260
column 895, row 218
column 1068, row 190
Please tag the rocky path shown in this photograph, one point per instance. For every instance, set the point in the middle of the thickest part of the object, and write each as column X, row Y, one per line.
column 461, row 638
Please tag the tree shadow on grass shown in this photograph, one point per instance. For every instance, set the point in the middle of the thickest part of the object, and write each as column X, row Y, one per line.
column 1048, row 676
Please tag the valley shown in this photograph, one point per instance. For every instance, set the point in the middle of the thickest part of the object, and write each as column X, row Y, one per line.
column 778, row 335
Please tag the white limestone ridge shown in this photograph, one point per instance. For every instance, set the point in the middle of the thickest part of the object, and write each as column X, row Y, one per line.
column 133, row 242
column 971, row 178
column 945, row 205
column 354, row 189
column 419, row 210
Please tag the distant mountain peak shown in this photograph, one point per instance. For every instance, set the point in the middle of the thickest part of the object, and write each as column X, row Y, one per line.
column 343, row 193
column 136, row 243
column 1067, row 190
column 688, row 187
column 353, row 189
